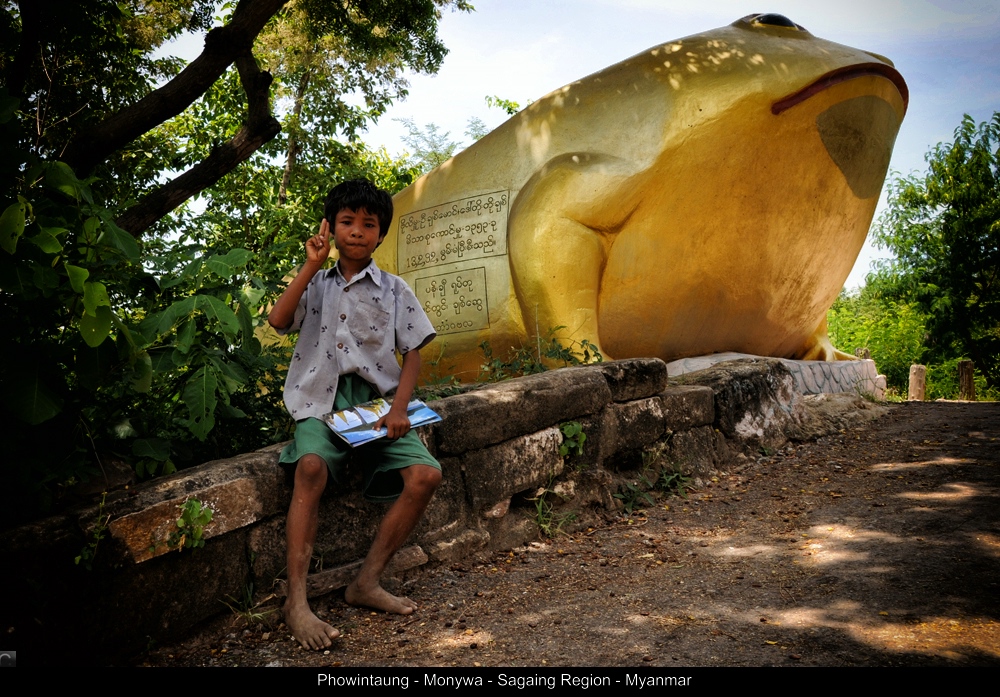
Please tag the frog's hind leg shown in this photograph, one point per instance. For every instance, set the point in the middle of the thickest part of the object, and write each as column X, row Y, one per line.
column 560, row 229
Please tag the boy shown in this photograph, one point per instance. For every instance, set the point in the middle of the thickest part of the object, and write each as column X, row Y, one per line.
column 352, row 318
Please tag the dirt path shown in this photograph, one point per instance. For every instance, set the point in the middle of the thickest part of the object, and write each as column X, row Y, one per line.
column 879, row 546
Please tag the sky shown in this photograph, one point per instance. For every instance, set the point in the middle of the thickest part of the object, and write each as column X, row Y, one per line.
column 947, row 50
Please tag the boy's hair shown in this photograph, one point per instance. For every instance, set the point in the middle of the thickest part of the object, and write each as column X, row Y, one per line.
column 356, row 194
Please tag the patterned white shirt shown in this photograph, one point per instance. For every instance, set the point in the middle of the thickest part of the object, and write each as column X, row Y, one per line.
column 351, row 327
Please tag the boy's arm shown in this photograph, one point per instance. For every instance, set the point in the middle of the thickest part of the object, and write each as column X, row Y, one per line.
column 282, row 314
column 396, row 422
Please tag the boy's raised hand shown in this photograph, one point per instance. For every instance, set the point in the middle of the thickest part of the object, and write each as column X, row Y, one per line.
column 318, row 246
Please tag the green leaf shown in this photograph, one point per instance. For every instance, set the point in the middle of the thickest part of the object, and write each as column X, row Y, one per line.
column 154, row 448
column 121, row 240
column 162, row 359
column 44, row 277
column 162, row 322
column 186, row 334
column 226, row 265
column 200, row 398
column 60, row 177
column 11, row 226
column 251, row 296
column 95, row 295
column 29, row 399
column 142, row 373
column 220, row 312
column 47, row 242
column 95, row 328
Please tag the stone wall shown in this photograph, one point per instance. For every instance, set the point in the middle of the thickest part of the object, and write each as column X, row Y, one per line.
column 498, row 447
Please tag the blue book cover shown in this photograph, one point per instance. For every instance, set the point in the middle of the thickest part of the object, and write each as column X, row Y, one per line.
column 356, row 425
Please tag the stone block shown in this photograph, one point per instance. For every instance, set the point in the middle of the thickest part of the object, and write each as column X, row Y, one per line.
column 467, row 543
column 639, row 423
column 688, row 406
column 500, row 471
column 240, row 491
column 754, row 400
column 633, row 378
column 699, row 450
column 601, row 443
column 497, row 413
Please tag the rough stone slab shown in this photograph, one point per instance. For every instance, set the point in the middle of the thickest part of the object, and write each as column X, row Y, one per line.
column 450, row 500
column 497, row 413
column 500, row 471
column 235, row 504
column 820, row 415
column 633, row 378
column 327, row 581
column 688, row 406
column 259, row 466
column 754, row 400
column 640, row 423
column 601, row 443
column 700, row 450
column 811, row 377
column 464, row 545
column 512, row 531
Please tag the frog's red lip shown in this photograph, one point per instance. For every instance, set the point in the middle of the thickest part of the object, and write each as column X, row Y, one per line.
column 843, row 75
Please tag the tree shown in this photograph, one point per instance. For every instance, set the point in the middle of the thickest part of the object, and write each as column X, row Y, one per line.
column 892, row 331
column 133, row 329
column 944, row 229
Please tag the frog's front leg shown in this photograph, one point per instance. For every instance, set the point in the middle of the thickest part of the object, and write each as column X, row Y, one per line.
column 559, row 234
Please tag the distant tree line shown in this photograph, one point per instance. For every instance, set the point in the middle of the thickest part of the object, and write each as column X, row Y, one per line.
column 937, row 301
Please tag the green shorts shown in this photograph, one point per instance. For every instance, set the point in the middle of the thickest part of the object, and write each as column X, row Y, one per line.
column 380, row 460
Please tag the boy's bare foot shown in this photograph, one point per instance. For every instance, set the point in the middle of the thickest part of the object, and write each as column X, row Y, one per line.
column 308, row 629
column 379, row 599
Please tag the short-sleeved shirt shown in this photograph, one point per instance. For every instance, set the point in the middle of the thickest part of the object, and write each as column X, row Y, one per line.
column 351, row 327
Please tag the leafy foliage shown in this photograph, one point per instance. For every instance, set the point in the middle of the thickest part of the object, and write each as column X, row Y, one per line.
column 147, row 349
column 573, row 439
column 529, row 360
column 944, row 230
column 894, row 332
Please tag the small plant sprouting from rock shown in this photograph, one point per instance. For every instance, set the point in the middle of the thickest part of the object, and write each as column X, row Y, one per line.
column 97, row 533
column 573, row 439
column 548, row 521
column 673, row 482
column 190, row 532
column 246, row 609
column 631, row 495
column 659, row 474
column 528, row 360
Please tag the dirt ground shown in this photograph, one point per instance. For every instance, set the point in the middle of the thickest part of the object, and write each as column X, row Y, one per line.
column 879, row 546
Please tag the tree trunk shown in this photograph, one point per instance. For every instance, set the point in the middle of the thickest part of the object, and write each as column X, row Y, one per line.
column 966, row 380
column 260, row 128
column 222, row 46
column 293, row 137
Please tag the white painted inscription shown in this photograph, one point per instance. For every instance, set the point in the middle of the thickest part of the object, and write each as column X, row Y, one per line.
column 471, row 228
column 456, row 301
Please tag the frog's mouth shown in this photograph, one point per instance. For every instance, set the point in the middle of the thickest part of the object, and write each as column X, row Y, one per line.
column 858, row 133
column 843, row 75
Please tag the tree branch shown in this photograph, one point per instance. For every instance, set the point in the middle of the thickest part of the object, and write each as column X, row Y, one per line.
column 222, row 46
column 260, row 127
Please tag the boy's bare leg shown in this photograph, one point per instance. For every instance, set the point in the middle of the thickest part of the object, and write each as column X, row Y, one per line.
column 419, row 483
column 300, row 533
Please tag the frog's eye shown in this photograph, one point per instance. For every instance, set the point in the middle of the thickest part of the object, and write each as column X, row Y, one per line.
column 775, row 20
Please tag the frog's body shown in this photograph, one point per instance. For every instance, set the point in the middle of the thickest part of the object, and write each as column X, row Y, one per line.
column 710, row 194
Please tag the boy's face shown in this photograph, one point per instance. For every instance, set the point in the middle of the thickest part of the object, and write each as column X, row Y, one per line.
column 356, row 234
